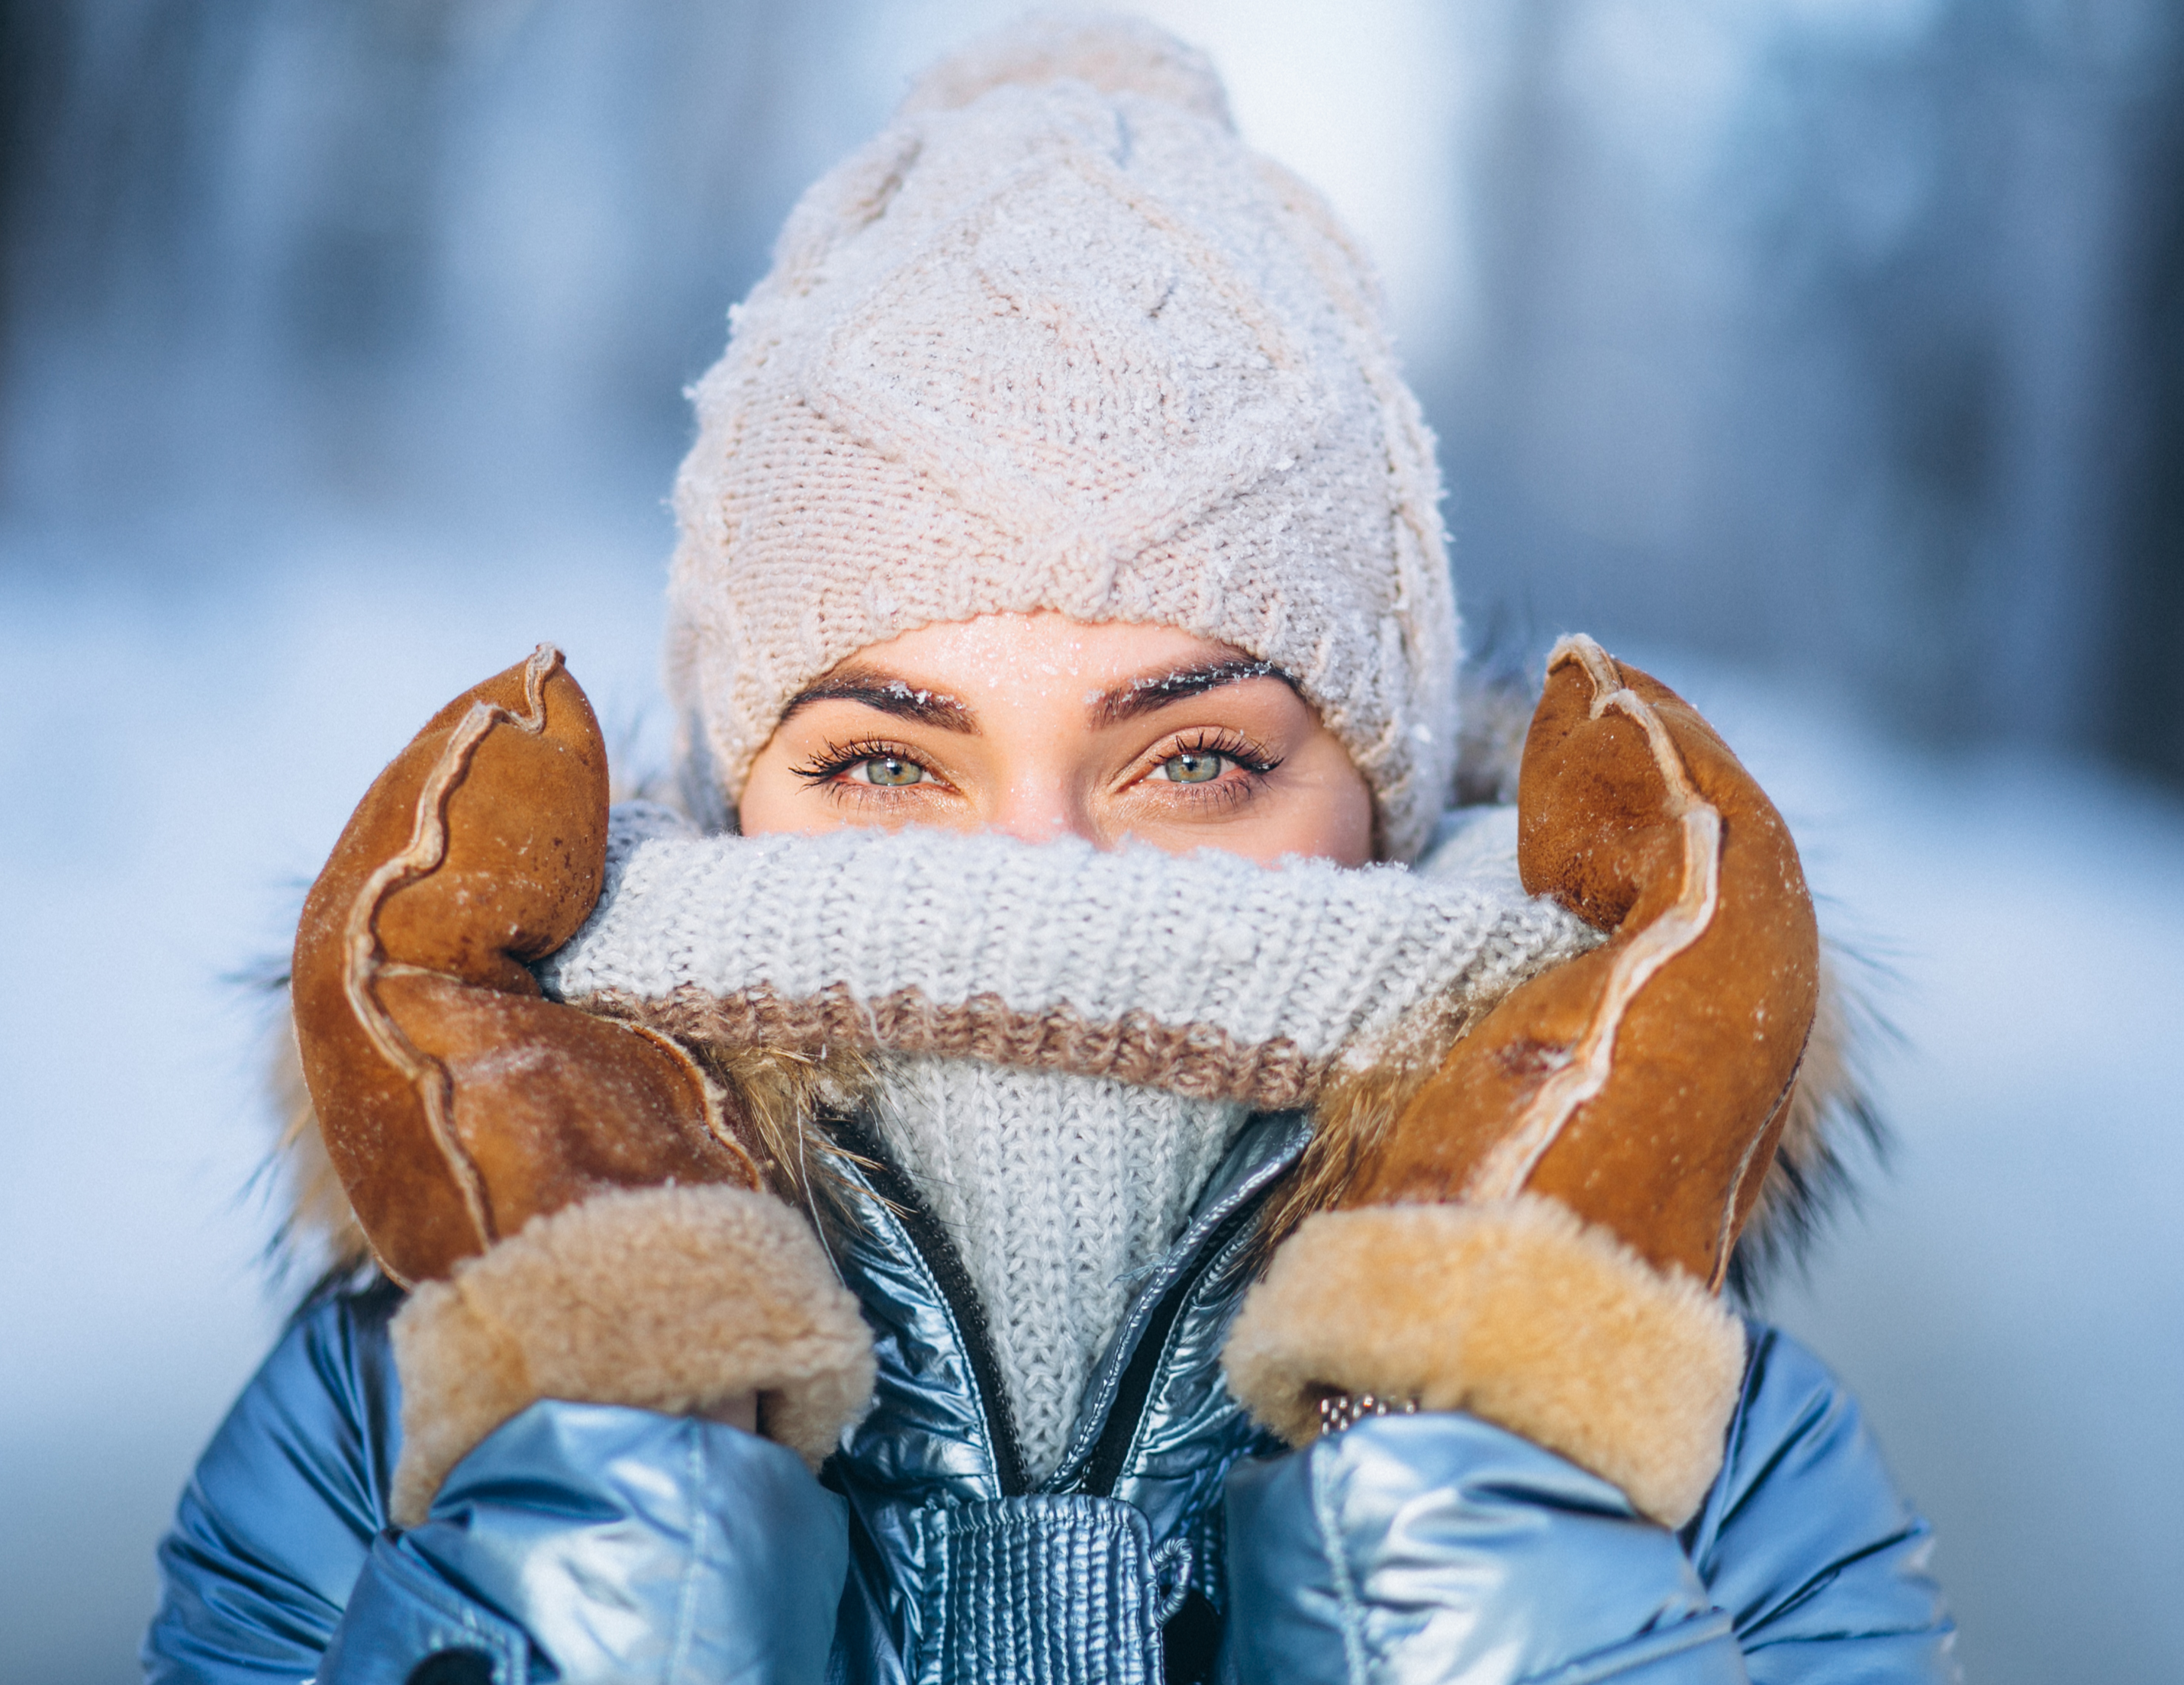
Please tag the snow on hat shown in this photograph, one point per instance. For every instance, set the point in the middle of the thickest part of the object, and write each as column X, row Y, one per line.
column 1057, row 339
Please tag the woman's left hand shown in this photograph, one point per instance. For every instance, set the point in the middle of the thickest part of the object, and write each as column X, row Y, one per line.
column 1540, row 1233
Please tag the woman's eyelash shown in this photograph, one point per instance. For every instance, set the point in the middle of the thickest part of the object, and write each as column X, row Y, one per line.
column 1246, row 753
column 838, row 758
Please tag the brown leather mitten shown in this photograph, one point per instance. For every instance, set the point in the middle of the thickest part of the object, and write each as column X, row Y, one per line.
column 463, row 1111
column 1542, row 1234
column 456, row 1102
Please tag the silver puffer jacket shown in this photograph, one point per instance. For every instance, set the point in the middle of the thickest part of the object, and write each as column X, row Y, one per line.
column 594, row 1543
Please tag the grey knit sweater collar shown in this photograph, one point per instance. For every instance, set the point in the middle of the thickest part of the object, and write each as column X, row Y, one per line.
column 1057, row 1191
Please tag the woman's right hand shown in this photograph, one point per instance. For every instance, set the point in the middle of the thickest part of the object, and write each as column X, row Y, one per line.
column 456, row 1102
column 603, row 1231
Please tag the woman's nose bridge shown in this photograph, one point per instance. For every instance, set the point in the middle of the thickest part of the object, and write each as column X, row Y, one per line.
column 1040, row 803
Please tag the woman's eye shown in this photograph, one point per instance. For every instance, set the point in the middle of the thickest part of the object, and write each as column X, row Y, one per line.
column 891, row 772
column 1193, row 766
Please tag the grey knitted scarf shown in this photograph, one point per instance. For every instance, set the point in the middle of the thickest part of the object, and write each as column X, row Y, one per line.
column 1067, row 1039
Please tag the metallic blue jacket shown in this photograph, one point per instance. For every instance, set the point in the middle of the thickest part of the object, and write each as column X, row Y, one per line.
column 594, row 1543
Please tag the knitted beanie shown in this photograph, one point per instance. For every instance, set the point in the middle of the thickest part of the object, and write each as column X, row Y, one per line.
column 1057, row 339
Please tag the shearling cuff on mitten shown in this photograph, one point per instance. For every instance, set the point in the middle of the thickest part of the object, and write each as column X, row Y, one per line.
column 678, row 1299
column 1516, row 1312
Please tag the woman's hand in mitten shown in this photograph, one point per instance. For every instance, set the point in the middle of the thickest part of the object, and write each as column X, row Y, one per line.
column 1540, row 1235
column 1641, row 1085
column 457, row 1102
column 576, row 1198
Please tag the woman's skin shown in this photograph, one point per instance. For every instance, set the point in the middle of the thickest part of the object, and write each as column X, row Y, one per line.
column 1039, row 726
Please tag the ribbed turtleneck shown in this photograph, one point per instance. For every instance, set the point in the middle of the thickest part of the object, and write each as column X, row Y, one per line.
column 1056, row 1191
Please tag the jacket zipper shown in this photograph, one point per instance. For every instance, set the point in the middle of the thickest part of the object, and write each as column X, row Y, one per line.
column 1103, row 1468
column 952, row 1281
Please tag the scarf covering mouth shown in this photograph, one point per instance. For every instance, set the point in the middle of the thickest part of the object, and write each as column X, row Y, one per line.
column 1064, row 1040
column 1205, row 974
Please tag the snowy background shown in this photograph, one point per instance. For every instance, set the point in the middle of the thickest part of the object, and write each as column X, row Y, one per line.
column 1827, row 356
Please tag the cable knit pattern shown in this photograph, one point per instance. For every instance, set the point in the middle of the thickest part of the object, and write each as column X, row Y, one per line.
column 1057, row 339
column 1203, row 973
column 1055, row 1190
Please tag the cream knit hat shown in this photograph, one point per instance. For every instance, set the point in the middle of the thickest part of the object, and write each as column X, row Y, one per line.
column 1057, row 339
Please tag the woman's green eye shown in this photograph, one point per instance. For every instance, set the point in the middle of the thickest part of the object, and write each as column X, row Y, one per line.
column 891, row 771
column 1192, row 766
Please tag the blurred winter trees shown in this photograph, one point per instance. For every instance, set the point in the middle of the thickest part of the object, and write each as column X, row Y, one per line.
column 1843, row 337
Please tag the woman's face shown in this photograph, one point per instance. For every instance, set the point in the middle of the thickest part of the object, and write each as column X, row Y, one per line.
column 1042, row 726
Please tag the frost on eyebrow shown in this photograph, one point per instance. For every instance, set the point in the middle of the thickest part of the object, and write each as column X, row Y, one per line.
column 889, row 695
column 1144, row 694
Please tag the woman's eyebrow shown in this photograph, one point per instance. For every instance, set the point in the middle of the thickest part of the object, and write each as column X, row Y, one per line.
column 889, row 695
column 1142, row 695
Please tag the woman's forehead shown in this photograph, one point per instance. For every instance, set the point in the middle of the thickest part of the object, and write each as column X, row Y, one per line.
column 1042, row 645
column 1030, row 655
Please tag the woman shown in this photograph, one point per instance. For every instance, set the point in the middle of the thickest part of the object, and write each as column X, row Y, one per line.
column 1014, row 1190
